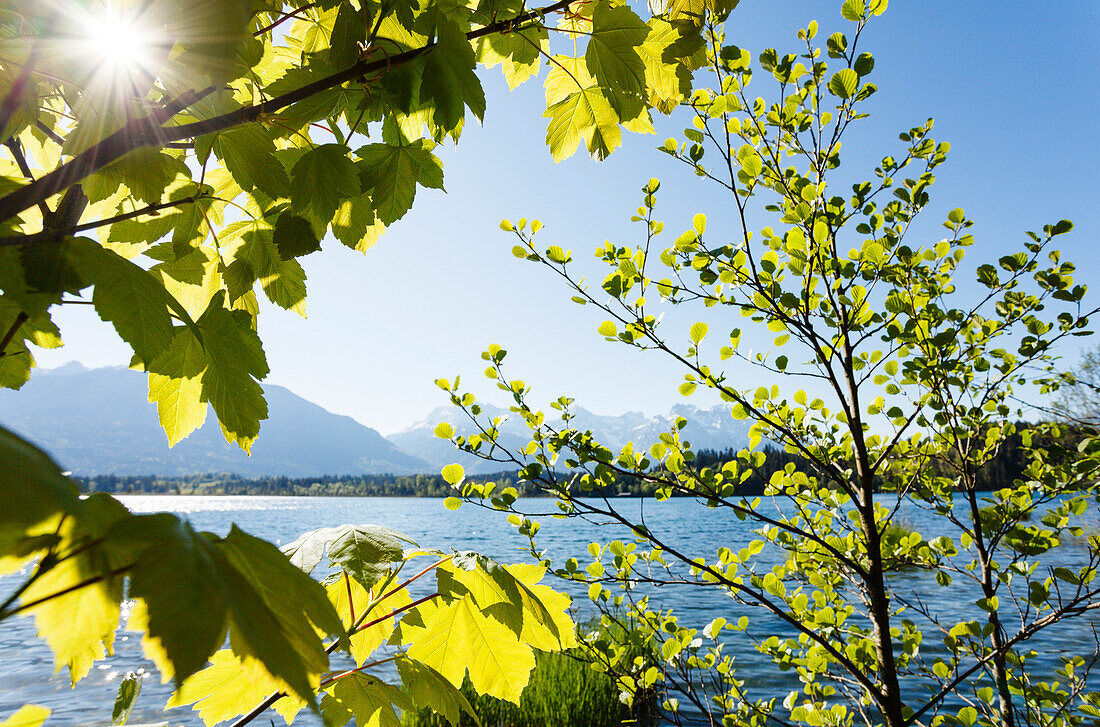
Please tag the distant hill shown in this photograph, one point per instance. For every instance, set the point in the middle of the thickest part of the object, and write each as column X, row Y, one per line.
column 99, row 421
column 707, row 429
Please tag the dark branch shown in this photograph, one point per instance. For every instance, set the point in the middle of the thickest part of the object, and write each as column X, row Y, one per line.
column 57, row 235
column 20, row 319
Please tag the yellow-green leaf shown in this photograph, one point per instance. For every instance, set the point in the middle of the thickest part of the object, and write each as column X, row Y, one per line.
column 458, row 637
column 453, row 474
column 29, row 715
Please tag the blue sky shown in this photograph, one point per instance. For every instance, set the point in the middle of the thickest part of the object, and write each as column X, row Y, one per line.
column 1012, row 86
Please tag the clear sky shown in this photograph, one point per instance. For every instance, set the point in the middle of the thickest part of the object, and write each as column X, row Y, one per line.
column 1012, row 86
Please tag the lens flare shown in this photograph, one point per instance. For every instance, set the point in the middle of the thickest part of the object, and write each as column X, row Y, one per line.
column 117, row 41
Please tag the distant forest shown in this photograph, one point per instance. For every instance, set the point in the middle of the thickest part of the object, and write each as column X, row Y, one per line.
column 1008, row 465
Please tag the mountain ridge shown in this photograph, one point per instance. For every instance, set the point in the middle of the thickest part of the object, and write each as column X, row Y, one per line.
column 712, row 428
column 98, row 421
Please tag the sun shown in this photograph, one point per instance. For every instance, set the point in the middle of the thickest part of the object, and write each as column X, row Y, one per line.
column 116, row 40
column 121, row 49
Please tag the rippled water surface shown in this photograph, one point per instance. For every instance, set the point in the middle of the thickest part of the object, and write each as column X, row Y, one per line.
column 26, row 664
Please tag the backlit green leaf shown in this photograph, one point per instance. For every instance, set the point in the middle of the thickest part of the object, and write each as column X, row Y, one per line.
column 235, row 360
column 175, row 385
column 844, row 83
column 458, row 637
column 611, row 56
column 392, row 172
column 322, row 178
column 366, row 698
column 453, row 474
column 449, row 83
column 428, row 688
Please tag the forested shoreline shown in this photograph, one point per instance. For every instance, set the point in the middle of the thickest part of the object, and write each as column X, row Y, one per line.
column 1008, row 465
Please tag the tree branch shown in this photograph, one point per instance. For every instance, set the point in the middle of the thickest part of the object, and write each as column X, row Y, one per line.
column 16, row 150
column 1072, row 609
column 55, row 235
column 20, row 319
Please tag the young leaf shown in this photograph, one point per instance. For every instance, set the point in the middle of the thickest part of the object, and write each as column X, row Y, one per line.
column 128, row 690
column 698, row 332
column 453, row 474
column 844, row 83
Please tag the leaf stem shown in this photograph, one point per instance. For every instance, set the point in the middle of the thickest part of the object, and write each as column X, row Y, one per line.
column 284, row 18
column 393, row 613
column 335, row 677
column 65, row 591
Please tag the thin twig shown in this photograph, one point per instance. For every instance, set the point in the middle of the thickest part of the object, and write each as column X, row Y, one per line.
column 50, row 133
column 65, row 591
column 336, row 677
column 152, row 209
column 284, row 18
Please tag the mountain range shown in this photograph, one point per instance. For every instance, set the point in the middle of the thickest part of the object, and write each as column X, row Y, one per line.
column 98, row 421
column 706, row 429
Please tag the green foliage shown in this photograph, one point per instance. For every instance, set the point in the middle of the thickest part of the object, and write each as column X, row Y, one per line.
column 196, row 591
column 214, row 167
column 918, row 380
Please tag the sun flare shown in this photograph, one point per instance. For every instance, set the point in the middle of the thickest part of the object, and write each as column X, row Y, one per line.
column 118, row 41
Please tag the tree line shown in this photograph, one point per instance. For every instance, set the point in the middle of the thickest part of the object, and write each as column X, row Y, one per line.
column 1007, row 465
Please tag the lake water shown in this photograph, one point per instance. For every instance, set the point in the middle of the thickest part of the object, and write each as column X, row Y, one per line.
column 26, row 664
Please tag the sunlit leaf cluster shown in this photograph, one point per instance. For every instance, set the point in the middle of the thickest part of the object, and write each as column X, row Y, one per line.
column 209, row 146
column 239, row 626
